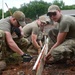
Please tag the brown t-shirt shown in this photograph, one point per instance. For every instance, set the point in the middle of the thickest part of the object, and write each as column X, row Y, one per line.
column 32, row 28
column 5, row 24
column 67, row 24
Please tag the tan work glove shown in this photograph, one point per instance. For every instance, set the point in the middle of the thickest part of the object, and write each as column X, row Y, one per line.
column 39, row 50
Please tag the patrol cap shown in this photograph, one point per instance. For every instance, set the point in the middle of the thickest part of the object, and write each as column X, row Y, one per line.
column 43, row 19
column 20, row 17
column 53, row 8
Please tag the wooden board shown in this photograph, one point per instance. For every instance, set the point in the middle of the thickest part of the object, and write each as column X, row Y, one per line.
column 39, row 64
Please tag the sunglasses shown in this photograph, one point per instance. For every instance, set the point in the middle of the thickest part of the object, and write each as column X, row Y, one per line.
column 43, row 23
column 51, row 14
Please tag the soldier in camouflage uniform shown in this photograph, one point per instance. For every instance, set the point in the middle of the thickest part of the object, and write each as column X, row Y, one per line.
column 8, row 25
column 33, row 32
column 63, row 36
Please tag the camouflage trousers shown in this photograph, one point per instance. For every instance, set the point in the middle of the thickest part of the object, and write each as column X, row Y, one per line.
column 2, row 44
column 23, row 43
column 64, row 50
column 5, row 51
column 26, row 45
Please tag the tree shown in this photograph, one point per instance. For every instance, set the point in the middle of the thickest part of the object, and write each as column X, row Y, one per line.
column 0, row 13
column 35, row 8
column 61, row 4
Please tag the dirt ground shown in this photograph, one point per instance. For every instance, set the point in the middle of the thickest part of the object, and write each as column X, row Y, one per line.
column 67, row 68
column 20, row 68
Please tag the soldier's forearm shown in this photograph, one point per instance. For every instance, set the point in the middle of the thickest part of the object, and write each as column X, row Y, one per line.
column 36, row 45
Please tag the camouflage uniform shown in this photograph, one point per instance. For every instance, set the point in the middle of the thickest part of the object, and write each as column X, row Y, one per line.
column 67, row 48
column 28, row 30
column 5, row 51
column 2, row 50
column 22, row 43
column 6, row 25
column 32, row 27
column 2, row 43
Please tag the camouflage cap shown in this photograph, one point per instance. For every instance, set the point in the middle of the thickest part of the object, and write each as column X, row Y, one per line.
column 53, row 8
column 43, row 19
column 20, row 17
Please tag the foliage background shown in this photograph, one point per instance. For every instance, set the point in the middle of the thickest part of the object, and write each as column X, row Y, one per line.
column 36, row 8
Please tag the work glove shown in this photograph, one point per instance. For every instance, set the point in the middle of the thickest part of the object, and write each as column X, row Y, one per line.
column 39, row 50
column 26, row 58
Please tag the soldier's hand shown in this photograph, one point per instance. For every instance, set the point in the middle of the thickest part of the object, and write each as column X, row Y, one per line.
column 47, row 57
